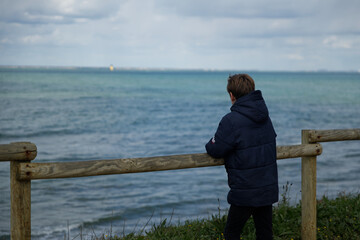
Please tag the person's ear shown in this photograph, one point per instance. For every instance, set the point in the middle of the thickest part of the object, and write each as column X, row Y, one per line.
column 232, row 98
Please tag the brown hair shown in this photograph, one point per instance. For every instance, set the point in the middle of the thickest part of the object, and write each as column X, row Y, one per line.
column 240, row 85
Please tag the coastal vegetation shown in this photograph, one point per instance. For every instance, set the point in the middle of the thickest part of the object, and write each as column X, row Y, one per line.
column 337, row 219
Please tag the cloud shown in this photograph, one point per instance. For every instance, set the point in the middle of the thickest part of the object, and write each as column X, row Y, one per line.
column 335, row 42
column 343, row 42
column 295, row 57
column 237, row 9
column 32, row 39
column 159, row 33
column 55, row 11
column 296, row 18
column 6, row 40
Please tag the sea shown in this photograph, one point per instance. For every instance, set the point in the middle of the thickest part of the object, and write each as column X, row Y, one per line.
column 78, row 114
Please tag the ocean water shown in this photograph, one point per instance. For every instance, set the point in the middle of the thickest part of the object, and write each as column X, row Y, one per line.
column 91, row 113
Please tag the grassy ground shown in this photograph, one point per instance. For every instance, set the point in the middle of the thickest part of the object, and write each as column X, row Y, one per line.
column 336, row 219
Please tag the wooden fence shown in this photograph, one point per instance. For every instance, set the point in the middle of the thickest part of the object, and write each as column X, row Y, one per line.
column 22, row 171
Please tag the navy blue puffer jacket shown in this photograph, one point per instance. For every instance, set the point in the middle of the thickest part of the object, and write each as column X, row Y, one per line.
column 246, row 140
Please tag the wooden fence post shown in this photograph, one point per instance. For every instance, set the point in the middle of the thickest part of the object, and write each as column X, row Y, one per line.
column 308, row 193
column 20, row 190
column 20, row 198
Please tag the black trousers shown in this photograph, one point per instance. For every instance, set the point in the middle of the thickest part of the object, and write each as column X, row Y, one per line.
column 238, row 216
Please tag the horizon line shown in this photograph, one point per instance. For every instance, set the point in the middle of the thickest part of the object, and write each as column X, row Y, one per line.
column 64, row 67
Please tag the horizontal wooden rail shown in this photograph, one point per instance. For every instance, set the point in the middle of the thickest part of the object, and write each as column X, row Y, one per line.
column 19, row 151
column 295, row 151
column 333, row 135
column 30, row 171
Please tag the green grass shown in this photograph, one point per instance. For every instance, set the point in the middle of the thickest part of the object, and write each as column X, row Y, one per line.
column 336, row 219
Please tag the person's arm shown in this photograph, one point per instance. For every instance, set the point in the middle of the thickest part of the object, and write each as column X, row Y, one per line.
column 223, row 141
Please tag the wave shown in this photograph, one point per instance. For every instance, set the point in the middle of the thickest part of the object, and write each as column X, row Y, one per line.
column 355, row 155
column 124, row 221
column 147, row 212
column 44, row 133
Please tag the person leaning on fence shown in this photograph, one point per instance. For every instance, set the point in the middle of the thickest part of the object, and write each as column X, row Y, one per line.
column 246, row 139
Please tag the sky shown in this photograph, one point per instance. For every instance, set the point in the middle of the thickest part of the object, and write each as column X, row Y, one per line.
column 277, row 35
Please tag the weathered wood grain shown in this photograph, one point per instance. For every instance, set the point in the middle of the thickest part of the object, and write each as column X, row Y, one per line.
column 333, row 135
column 20, row 198
column 308, row 192
column 295, row 151
column 115, row 166
column 30, row 171
column 18, row 151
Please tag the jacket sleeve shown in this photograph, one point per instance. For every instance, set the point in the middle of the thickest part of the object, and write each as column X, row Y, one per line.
column 223, row 142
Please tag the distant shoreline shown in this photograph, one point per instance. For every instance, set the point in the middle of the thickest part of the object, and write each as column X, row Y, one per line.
column 154, row 69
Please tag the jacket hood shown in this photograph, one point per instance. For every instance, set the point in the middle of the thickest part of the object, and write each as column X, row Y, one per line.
column 252, row 106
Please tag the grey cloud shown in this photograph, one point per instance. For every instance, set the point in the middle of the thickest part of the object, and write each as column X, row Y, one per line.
column 55, row 11
column 239, row 9
column 199, row 33
column 304, row 18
